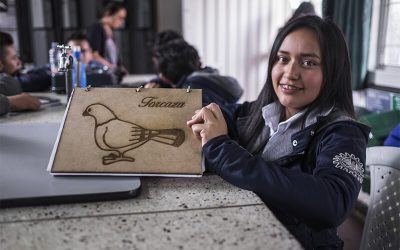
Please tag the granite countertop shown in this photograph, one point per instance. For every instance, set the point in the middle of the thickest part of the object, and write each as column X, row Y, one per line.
column 170, row 213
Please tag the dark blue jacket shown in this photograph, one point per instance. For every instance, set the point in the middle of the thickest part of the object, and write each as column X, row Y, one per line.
column 222, row 90
column 312, row 190
column 37, row 79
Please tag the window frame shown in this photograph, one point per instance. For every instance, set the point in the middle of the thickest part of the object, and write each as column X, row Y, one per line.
column 379, row 74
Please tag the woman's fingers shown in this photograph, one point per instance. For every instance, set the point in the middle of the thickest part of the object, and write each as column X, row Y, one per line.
column 197, row 118
column 195, row 113
column 208, row 115
column 216, row 110
column 197, row 128
column 208, row 123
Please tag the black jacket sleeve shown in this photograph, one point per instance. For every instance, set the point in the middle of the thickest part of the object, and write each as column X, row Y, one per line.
column 321, row 199
column 38, row 79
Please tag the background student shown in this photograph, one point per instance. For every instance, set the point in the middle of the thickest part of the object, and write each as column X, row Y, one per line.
column 299, row 148
column 37, row 79
column 11, row 96
column 179, row 66
column 161, row 39
column 81, row 40
column 101, row 39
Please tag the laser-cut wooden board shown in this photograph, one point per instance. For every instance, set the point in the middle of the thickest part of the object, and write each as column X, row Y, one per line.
column 120, row 131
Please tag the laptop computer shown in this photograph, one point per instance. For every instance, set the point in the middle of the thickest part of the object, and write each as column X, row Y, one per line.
column 25, row 151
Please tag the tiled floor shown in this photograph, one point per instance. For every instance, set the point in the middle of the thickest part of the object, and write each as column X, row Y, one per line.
column 351, row 231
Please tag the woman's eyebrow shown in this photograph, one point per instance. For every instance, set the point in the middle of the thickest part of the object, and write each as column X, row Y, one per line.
column 310, row 55
column 283, row 52
column 302, row 54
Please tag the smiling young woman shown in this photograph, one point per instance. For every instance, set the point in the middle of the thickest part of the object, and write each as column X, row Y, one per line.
column 298, row 146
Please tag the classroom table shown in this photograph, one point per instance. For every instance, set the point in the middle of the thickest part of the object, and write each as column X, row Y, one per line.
column 169, row 213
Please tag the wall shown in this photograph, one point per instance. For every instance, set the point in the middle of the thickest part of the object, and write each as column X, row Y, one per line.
column 8, row 22
column 169, row 15
column 235, row 36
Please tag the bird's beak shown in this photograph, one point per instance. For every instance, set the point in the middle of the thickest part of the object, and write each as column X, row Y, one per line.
column 85, row 113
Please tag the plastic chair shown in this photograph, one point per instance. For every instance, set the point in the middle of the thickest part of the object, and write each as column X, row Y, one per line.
column 382, row 225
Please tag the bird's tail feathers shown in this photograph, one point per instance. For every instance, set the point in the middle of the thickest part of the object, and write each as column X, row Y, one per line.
column 173, row 137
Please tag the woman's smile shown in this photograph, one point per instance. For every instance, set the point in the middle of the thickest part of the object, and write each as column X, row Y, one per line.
column 289, row 88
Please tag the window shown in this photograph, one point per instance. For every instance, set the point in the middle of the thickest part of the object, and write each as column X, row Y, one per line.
column 389, row 49
column 384, row 57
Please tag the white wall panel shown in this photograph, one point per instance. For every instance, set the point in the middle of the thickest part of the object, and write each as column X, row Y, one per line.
column 235, row 36
column 168, row 15
column 193, row 22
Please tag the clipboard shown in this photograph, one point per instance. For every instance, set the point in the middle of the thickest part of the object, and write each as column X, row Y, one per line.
column 128, row 131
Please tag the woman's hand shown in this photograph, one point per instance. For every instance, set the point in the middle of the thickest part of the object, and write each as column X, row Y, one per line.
column 208, row 123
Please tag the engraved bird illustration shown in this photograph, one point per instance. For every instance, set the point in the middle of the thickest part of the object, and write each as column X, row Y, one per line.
column 118, row 136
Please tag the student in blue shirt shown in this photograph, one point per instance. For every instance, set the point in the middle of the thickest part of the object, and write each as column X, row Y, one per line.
column 79, row 39
column 299, row 147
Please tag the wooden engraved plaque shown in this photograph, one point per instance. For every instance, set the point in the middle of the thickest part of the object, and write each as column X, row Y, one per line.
column 123, row 131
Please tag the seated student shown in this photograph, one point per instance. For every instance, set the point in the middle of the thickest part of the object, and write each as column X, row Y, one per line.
column 300, row 148
column 166, row 36
column 37, row 79
column 179, row 66
column 162, row 38
column 79, row 39
column 11, row 96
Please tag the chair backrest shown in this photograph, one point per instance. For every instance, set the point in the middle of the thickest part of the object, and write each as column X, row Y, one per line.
column 382, row 225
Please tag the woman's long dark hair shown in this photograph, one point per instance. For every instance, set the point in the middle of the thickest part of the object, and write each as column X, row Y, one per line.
column 336, row 84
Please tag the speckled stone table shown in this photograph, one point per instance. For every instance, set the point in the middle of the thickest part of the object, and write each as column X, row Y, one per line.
column 169, row 213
